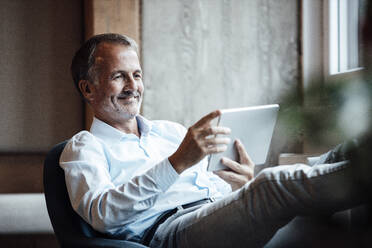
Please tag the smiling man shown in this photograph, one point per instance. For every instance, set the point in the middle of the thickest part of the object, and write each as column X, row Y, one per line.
column 146, row 181
column 116, row 91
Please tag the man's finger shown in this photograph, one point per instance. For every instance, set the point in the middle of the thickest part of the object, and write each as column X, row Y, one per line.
column 243, row 155
column 206, row 119
column 242, row 169
column 204, row 132
column 230, row 176
column 216, row 149
column 235, row 166
column 217, row 141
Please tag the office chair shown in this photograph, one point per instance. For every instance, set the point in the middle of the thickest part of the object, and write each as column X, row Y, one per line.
column 71, row 230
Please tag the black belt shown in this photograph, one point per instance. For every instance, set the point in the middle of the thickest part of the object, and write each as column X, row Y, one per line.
column 147, row 237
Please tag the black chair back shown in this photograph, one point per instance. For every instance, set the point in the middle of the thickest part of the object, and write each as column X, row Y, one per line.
column 71, row 230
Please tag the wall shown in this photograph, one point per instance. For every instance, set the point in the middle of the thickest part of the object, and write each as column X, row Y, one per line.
column 202, row 55
column 39, row 105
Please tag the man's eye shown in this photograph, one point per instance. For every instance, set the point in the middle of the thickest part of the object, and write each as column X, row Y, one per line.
column 138, row 76
column 117, row 77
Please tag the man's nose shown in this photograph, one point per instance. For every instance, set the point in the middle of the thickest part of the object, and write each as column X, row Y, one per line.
column 131, row 84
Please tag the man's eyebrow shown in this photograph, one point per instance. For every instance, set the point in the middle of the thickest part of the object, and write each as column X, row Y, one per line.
column 116, row 72
column 124, row 72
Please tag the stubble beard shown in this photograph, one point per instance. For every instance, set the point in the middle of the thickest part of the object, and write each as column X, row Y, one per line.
column 128, row 110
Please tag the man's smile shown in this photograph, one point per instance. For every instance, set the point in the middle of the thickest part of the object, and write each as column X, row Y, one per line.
column 129, row 96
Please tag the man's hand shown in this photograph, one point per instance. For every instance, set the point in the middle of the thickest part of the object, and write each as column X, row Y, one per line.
column 239, row 173
column 200, row 140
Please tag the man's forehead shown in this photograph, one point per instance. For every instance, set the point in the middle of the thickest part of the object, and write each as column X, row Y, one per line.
column 110, row 50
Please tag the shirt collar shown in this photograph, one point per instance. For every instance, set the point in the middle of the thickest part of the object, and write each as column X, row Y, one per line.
column 144, row 125
column 107, row 132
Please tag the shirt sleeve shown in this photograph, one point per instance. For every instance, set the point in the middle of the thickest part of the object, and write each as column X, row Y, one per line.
column 93, row 195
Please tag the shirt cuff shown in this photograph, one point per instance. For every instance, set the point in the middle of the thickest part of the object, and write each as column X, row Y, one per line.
column 222, row 186
column 164, row 174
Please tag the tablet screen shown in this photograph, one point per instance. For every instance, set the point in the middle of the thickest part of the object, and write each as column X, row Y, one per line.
column 254, row 126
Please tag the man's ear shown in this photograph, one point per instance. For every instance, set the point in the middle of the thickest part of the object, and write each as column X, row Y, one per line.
column 86, row 88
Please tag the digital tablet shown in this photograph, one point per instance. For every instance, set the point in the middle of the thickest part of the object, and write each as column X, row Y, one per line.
column 254, row 126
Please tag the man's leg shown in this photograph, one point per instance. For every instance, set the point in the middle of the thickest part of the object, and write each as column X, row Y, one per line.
column 252, row 215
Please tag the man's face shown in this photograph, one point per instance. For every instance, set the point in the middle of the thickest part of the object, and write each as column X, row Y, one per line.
column 117, row 90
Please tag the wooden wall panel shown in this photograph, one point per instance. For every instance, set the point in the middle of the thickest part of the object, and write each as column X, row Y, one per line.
column 39, row 103
column 111, row 16
column 21, row 173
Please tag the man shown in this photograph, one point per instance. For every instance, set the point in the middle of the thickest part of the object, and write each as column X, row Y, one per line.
column 146, row 181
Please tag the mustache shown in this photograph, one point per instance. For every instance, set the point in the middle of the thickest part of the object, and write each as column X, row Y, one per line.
column 129, row 93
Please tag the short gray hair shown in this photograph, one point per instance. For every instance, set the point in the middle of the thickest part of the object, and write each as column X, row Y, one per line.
column 84, row 58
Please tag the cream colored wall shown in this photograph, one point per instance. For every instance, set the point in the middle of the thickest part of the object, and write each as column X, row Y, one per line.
column 202, row 55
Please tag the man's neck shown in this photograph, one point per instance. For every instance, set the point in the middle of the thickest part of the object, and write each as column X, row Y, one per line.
column 130, row 126
column 127, row 126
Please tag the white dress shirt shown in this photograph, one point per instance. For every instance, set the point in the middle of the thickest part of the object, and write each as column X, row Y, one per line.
column 120, row 183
